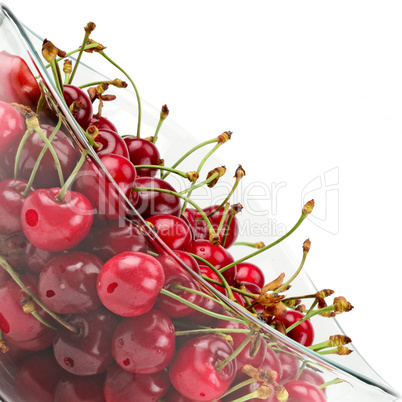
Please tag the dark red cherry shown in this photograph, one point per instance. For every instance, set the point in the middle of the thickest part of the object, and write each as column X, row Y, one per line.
column 11, row 200
column 88, row 351
column 300, row 391
column 247, row 272
column 290, row 365
column 312, row 377
column 37, row 377
column 47, row 175
column 109, row 142
column 55, row 225
column 121, row 385
column 193, row 371
column 102, row 123
column 40, row 343
column 200, row 230
column 175, row 275
column 189, row 260
column 17, row 81
column 271, row 362
column 207, row 271
column 218, row 256
column 143, row 152
column 129, row 283
column 153, row 202
column 114, row 237
column 67, row 283
column 12, row 126
column 303, row 333
column 172, row 230
column 84, row 113
column 12, row 248
column 17, row 325
column 80, row 389
column 103, row 194
column 144, row 344
column 36, row 258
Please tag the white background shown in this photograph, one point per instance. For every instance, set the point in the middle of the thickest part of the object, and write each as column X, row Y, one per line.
column 307, row 88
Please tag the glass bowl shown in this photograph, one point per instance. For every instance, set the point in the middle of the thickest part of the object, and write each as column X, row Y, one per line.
column 28, row 368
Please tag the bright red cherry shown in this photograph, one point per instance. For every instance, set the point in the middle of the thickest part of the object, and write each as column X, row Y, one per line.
column 218, row 256
column 144, row 344
column 172, row 230
column 105, row 198
column 303, row 333
column 189, row 260
column 247, row 272
column 153, row 202
column 11, row 201
column 102, row 123
column 55, row 225
column 300, row 391
column 143, row 152
column 109, row 142
column 88, row 351
column 17, row 81
column 121, row 385
column 129, row 283
column 83, row 113
column 67, row 283
column 12, row 126
column 194, row 372
column 290, row 366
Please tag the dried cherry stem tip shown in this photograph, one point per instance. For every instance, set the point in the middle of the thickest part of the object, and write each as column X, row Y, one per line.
column 7, row 267
column 334, row 340
column 163, row 115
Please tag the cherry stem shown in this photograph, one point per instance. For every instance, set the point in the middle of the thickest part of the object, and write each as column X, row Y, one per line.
column 229, row 221
column 57, row 75
column 236, row 183
column 221, row 365
column 135, row 89
column 200, row 166
column 328, row 383
column 259, row 244
column 232, row 288
column 221, row 277
column 286, row 284
column 158, row 127
column 261, row 250
column 42, row 320
column 187, row 154
column 251, row 395
column 178, row 172
column 309, row 315
column 49, row 146
column 224, row 215
column 39, row 159
column 16, row 278
column 178, row 286
column 238, row 386
column 211, row 230
column 86, row 36
column 19, row 150
column 211, row 178
column 67, row 184
column 40, row 103
column 200, row 309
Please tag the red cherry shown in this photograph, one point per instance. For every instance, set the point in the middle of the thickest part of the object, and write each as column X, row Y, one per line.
column 175, row 274
column 105, row 198
column 40, row 343
column 215, row 255
column 47, row 175
column 55, row 225
column 271, row 362
column 193, row 371
column 67, row 283
column 247, row 272
column 129, row 283
column 12, row 126
column 290, row 366
column 17, row 81
column 37, row 258
column 245, row 390
column 121, row 386
column 80, row 389
column 37, row 378
column 174, row 396
column 300, row 391
column 143, row 152
column 312, row 377
column 88, row 351
column 114, row 237
column 17, row 325
column 75, row 94
column 207, row 271
column 144, row 344
column 102, row 123
column 303, row 333
column 172, row 230
column 153, row 202
column 11, row 201
column 12, row 248
column 189, row 260
column 109, row 142
column 199, row 229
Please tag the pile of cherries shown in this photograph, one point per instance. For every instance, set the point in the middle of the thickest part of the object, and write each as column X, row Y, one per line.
column 91, row 306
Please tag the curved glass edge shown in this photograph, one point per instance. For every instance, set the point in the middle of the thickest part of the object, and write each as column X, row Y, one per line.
column 77, row 132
